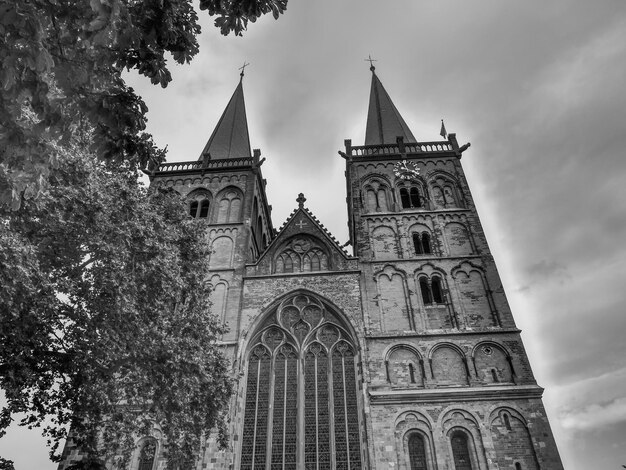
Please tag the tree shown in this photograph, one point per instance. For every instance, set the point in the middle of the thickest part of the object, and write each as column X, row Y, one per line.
column 104, row 308
column 62, row 63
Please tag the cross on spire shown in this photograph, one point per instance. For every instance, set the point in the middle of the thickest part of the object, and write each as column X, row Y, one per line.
column 371, row 61
column 243, row 68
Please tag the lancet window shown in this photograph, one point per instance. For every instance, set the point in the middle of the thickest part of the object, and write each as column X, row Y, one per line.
column 302, row 359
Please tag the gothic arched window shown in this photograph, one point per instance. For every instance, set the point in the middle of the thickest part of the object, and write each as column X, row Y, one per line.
column 147, row 455
column 417, row 452
column 303, row 359
column 460, row 451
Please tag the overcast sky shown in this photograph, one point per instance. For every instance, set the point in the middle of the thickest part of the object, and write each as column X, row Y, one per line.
column 537, row 87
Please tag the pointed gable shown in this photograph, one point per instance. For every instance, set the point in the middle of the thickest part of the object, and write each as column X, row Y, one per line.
column 230, row 138
column 302, row 245
column 384, row 122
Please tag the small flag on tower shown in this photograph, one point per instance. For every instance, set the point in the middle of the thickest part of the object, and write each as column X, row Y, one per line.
column 443, row 132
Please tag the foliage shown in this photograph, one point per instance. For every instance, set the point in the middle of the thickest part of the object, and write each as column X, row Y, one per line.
column 62, row 63
column 104, row 313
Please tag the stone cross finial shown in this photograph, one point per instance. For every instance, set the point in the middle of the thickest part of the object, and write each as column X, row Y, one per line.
column 301, row 200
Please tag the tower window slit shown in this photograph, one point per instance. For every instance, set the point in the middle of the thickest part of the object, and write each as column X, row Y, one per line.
column 415, row 198
column 405, row 200
column 204, row 209
column 425, row 289
column 417, row 243
column 426, row 243
column 193, row 208
column 507, row 421
column 437, row 291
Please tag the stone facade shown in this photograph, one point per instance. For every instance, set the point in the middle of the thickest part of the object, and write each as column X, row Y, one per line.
column 401, row 355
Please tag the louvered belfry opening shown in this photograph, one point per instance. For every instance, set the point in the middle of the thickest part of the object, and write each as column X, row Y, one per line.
column 303, row 362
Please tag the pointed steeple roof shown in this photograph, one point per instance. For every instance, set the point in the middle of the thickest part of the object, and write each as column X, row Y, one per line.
column 230, row 138
column 384, row 122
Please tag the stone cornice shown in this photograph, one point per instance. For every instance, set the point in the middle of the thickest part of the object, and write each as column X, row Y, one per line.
column 510, row 392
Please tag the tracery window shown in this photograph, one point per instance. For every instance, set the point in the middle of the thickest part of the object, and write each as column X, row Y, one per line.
column 147, row 455
column 417, row 452
column 421, row 243
column 301, row 254
column 306, row 360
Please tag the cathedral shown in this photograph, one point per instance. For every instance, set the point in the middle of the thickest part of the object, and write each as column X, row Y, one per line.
column 400, row 353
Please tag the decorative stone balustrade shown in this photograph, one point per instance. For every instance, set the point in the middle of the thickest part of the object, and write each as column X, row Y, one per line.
column 394, row 149
column 199, row 165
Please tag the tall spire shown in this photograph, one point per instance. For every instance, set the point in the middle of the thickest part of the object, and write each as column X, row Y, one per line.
column 384, row 122
column 230, row 138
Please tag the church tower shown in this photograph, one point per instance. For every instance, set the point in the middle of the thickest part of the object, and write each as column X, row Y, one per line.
column 448, row 383
column 400, row 355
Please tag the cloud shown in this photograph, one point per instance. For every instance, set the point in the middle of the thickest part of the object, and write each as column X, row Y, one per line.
column 547, row 269
column 595, row 416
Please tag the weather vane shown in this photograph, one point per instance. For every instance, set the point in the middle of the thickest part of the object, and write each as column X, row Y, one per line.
column 371, row 61
column 243, row 68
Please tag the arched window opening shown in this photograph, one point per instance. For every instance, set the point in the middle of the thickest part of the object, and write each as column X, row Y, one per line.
column 147, row 455
column 204, row 209
column 460, row 451
column 426, row 294
column 412, row 373
column 199, row 201
column 404, row 198
column 426, row 243
column 518, row 466
column 417, row 452
column 421, row 243
column 417, row 243
column 415, row 198
column 436, row 290
column 494, row 375
column 303, row 361
column 507, row 421
column 410, row 197
column 193, row 208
